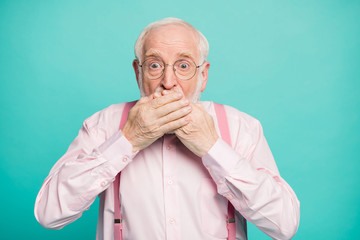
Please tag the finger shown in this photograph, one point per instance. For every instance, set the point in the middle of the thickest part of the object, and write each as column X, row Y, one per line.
column 157, row 94
column 173, row 125
column 171, row 107
column 161, row 101
column 175, row 89
column 165, row 92
column 175, row 115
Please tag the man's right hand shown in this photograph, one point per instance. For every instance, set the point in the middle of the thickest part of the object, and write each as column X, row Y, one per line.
column 152, row 117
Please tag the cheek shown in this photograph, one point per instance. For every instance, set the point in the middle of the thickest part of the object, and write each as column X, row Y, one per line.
column 188, row 88
column 149, row 87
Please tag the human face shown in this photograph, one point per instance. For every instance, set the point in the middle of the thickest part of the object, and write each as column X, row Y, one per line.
column 171, row 43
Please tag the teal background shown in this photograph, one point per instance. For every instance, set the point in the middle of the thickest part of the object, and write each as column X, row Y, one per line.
column 294, row 65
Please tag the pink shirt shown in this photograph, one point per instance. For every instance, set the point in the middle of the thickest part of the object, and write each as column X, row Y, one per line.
column 167, row 192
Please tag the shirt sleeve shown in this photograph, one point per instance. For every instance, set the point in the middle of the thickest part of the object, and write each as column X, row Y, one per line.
column 254, row 186
column 86, row 170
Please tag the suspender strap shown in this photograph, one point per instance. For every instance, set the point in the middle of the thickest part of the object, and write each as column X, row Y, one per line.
column 125, row 113
column 117, row 211
column 225, row 135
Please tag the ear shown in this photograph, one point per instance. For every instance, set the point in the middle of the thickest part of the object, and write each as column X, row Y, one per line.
column 204, row 73
column 135, row 65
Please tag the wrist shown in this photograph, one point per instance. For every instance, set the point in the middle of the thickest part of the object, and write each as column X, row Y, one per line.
column 126, row 132
column 210, row 144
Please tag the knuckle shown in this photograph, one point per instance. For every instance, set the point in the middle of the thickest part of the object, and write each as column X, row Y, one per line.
column 184, row 102
column 159, row 101
column 186, row 110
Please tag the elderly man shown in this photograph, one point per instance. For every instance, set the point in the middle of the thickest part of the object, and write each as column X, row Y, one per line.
column 179, row 178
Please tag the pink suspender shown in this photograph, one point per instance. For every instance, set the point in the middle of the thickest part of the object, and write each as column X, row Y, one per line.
column 117, row 214
column 225, row 134
column 117, row 211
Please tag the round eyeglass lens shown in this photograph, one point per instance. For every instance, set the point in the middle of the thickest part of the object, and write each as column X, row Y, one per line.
column 154, row 68
column 184, row 69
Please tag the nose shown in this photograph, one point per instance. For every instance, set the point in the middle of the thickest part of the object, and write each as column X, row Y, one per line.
column 169, row 79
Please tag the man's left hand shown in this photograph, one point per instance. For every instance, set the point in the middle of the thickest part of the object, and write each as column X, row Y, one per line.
column 199, row 135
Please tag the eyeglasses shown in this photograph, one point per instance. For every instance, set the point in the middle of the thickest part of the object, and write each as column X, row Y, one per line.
column 184, row 69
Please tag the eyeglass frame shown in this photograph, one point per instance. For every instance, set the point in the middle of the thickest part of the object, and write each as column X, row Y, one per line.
column 174, row 70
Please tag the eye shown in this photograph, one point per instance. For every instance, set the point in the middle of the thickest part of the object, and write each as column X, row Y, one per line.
column 183, row 65
column 155, row 65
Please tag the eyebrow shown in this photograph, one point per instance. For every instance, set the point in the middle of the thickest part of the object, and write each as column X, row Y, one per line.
column 152, row 53
column 187, row 55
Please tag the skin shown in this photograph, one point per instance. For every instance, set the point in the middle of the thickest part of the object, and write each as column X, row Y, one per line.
column 166, row 106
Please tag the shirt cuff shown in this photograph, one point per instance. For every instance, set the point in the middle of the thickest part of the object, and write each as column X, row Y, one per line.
column 220, row 160
column 118, row 151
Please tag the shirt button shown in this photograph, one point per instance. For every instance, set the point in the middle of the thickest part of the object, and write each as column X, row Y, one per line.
column 172, row 221
column 170, row 181
column 103, row 184
column 168, row 147
column 125, row 159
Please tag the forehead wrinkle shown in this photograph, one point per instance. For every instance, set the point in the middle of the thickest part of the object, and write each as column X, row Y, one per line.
column 161, row 42
column 157, row 54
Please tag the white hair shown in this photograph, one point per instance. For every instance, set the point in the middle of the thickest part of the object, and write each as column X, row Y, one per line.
column 202, row 41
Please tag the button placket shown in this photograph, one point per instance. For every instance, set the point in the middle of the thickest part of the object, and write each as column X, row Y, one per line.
column 170, row 186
